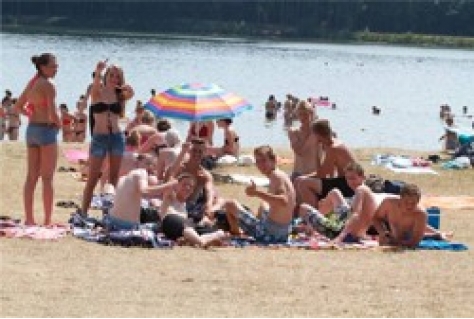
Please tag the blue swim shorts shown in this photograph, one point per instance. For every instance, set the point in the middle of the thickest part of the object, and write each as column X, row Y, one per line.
column 263, row 230
column 41, row 134
column 101, row 144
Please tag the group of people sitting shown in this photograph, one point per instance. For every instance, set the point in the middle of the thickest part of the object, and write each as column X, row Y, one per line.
column 325, row 197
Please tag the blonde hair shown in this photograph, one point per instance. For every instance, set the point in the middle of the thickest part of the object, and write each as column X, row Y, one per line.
column 148, row 118
column 265, row 150
column 133, row 139
column 322, row 127
column 304, row 106
column 120, row 83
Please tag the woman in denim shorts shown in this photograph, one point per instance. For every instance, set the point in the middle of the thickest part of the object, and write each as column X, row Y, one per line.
column 108, row 96
column 37, row 102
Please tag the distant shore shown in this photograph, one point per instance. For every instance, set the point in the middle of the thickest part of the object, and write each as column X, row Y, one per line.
column 365, row 37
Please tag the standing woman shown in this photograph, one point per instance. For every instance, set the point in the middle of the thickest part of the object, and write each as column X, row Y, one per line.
column 108, row 97
column 38, row 103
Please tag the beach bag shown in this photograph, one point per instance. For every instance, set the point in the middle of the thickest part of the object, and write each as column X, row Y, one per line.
column 149, row 215
column 393, row 187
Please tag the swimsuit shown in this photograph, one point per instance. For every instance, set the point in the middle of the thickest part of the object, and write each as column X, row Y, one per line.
column 102, row 107
column 263, row 230
column 112, row 143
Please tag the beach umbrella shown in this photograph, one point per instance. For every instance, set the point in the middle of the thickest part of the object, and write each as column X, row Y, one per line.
column 197, row 102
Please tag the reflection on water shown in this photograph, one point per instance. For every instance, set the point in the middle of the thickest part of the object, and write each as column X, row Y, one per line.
column 407, row 84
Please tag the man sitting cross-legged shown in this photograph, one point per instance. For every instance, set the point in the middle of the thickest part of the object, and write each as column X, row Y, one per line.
column 349, row 222
column 273, row 221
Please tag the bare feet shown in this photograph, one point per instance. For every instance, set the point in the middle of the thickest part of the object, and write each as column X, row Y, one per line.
column 30, row 223
column 214, row 239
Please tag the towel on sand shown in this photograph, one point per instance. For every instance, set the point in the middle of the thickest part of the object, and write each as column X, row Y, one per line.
column 11, row 228
column 433, row 244
column 74, row 155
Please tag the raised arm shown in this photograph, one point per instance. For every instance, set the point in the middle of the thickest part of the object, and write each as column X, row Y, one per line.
column 295, row 143
column 175, row 168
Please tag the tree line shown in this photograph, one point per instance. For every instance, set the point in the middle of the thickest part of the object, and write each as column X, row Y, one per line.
column 299, row 19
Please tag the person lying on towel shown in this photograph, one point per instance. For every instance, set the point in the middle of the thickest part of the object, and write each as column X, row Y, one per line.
column 272, row 223
column 400, row 220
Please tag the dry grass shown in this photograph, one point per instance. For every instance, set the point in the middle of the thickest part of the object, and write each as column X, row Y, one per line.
column 73, row 278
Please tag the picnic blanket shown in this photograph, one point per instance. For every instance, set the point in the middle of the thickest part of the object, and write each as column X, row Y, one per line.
column 12, row 228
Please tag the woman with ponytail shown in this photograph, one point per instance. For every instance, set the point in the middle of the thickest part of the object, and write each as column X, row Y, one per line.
column 38, row 103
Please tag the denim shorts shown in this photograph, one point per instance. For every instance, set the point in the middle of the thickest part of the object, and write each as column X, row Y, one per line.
column 114, row 223
column 101, row 144
column 263, row 230
column 41, row 134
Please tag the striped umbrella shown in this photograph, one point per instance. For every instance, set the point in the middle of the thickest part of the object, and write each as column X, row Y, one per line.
column 197, row 102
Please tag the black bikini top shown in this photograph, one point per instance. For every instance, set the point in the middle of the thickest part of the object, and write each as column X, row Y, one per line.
column 102, row 107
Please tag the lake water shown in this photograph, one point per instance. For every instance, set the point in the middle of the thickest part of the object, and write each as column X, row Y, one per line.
column 408, row 84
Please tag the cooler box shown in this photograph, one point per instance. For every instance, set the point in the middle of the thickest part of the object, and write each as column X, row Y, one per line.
column 434, row 216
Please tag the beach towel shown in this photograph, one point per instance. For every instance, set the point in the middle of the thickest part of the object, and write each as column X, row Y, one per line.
column 448, row 202
column 433, row 244
column 75, row 155
column 94, row 230
column 246, row 180
column 12, row 228
column 403, row 164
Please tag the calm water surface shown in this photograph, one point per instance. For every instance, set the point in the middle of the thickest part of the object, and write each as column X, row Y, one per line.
column 408, row 84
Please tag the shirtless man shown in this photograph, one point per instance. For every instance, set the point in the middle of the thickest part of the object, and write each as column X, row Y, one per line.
column 130, row 190
column 318, row 184
column 355, row 218
column 399, row 220
column 273, row 220
column 202, row 200
column 303, row 142
column 271, row 108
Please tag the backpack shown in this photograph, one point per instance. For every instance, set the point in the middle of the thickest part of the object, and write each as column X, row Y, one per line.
column 393, row 187
column 375, row 183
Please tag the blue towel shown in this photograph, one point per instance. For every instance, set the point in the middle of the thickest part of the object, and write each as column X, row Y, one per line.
column 441, row 245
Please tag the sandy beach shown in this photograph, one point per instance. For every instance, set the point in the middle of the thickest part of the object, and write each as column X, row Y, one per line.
column 75, row 278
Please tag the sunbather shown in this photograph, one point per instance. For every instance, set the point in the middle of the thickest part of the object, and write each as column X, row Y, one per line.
column 174, row 217
column 353, row 219
column 312, row 187
column 203, row 198
column 131, row 188
column 272, row 222
column 400, row 220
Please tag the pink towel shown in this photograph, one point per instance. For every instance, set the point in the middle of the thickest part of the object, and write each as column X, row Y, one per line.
column 74, row 155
